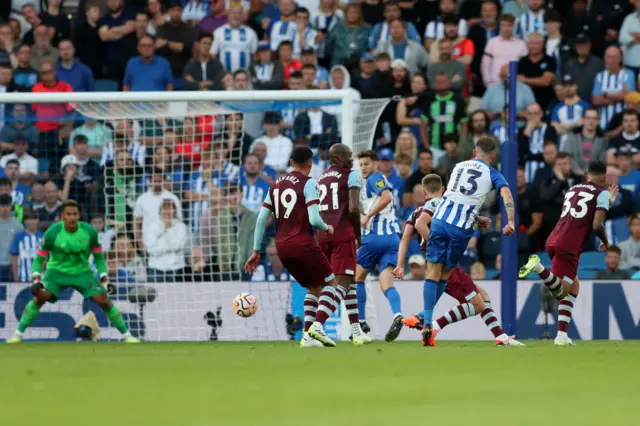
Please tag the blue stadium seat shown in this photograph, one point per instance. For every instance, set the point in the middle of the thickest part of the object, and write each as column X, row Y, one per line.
column 545, row 259
column 587, row 274
column 592, row 260
column 491, row 273
column 106, row 86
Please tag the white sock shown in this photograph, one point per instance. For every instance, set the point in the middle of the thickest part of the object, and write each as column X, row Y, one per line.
column 503, row 337
column 317, row 324
column 396, row 315
column 435, row 326
column 562, row 335
column 127, row 335
column 17, row 333
column 538, row 268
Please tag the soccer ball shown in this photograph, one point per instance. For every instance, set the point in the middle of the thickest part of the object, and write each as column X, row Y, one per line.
column 245, row 305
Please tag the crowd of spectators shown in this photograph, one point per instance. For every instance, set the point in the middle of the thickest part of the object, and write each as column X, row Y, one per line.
column 164, row 192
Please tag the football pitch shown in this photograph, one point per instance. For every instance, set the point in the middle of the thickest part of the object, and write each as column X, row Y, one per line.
column 402, row 383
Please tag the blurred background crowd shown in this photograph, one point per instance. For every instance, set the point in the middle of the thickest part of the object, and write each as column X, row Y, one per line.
column 177, row 199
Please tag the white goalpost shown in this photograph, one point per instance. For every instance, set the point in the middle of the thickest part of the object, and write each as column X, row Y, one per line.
column 177, row 184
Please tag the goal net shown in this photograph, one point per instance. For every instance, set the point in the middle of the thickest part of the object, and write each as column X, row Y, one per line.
column 173, row 182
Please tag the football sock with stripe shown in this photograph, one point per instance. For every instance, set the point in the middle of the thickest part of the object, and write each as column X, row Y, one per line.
column 458, row 313
column 429, row 292
column 351, row 305
column 29, row 315
column 393, row 297
column 565, row 311
column 491, row 320
column 310, row 310
column 116, row 319
column 361, row 293
column 552, row 282
column 326, row 304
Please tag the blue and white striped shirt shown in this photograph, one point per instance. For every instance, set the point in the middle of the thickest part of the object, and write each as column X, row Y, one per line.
column 385, row 222
column 381, row 33
column 536, row 146
column 435, row 29
column 530, row 22
column 234, row 47
column 282, row 31
column 137, row 150
column 568, row 115
column 253, row 194
column 501, row 133
column 229, row 175
column 607, row 82
column 24, row 246
column 471, row 181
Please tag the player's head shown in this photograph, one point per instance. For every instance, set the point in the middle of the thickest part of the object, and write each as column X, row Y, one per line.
column 340, row 155
column 485, row 149
column 368, row 162
column 70, row 214
column 432, row 185
column 597, row 172
column 302, row 159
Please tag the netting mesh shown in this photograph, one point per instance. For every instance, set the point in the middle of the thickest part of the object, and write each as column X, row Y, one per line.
column 174, row 189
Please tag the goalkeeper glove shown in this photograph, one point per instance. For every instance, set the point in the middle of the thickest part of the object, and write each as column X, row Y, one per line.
column 37, row 285
column 104, row 280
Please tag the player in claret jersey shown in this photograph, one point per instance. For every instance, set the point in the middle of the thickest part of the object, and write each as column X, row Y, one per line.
column 293, row 200
column 339, row 189
column 585, row 209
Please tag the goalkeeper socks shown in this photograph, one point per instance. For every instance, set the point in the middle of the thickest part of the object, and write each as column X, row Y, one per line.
column 326, row 304
column 115, row 318
column 393, row 297
column 429, row 292
column 310, row 310
column 351, row 305
column 491, row 321
column 29, row 315
column 361, row 293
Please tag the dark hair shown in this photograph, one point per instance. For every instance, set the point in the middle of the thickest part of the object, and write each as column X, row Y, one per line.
column 80, row 138
column 5, row 181
column 631, row 112
column 203, row 35
column 301, row 154
column 425, row 151
column 5, row 200
column 70, row 203
column 383, row 55
column 590, row 108
column 451, row 19
column 302, row 10
column 486, row 144
column 614, row 249
column 485, row 114
column 404, row 158
column 552, row 16
column 250, row 154
column 295, row 74
column 68, row 40
column 285, row 43
column 240, row 71
column 29, row 214
column 597, row 168
column 432, row 182
column 393, row 3
column 169, row 202
column 369, row 153
column 563, row 155
column 13, row 161
column 549, row 142
column 507, row 17
column 633, row 217
column 309, row 66
column 450, row 137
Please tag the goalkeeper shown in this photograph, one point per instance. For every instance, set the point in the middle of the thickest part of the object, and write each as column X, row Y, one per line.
column 69, row 244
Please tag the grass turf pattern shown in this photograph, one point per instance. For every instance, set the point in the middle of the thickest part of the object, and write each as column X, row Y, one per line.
column 257, row 383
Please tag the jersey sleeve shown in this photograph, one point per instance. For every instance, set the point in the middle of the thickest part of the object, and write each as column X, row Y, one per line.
column 497, row 179
column 311, row 192
column 602, row 202
column 355, row 179
column 267, row 203
column 430, row 206
column 48, row 241
column 94, row 239
column 377, row 184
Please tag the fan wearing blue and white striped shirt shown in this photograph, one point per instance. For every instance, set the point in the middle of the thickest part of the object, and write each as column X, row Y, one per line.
column 284, row 29
column 381, row 30
column 611, row 86
column 532, row 139
column 531, row 21
column 306, row 35
column 234, row 44
column 455, row 218
column 567, row 115
column 435, row 29
column 23, row 248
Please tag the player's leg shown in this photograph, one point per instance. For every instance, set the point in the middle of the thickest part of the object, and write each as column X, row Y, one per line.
column 386, row 264
column 322, row 276
column 557, row 284
column 310, row 311
column 366, row 260
column 98, row 295
column 492, row 322
column 565, row 312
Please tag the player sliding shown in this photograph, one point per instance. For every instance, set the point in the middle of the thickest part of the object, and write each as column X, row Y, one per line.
column 68, row 245
column 455, row 217
column 584, row 209
column 293, row 200
column 380, row 240
column 339, row 207
column 459, row 284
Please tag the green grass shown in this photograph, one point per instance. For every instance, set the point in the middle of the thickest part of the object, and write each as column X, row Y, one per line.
column 193, row 384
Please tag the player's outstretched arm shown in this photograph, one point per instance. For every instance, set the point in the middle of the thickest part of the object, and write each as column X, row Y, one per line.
column 254, row 260
column 509, row 206
column 422, row 225
column 314, row 218
column 403, row 248
column 598, row 228
column 354, row 212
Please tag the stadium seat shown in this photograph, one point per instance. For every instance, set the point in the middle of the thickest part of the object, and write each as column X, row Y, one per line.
column 586, row 274
column 106, row 86
column 592, row 260
column 491, row 273
column 545, row 259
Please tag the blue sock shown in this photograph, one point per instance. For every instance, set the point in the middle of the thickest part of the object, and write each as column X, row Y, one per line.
column 361, row 294
column 442, row 286
column 393, row 297
column 429, row 290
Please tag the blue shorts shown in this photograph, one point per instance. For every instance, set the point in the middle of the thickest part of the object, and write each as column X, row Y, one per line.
column 447, row 243
column 378, row 250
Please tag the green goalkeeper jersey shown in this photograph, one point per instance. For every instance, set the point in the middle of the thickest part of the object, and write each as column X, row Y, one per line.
column 68, row 252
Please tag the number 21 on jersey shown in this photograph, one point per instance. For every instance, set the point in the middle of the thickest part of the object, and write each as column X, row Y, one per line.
column 581, row 204
column 334, row 196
